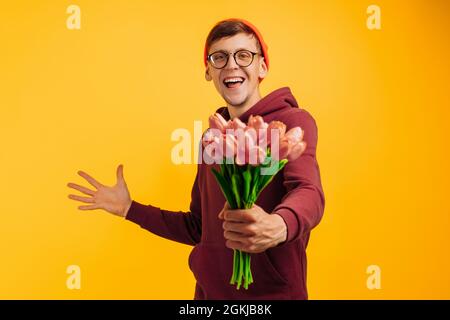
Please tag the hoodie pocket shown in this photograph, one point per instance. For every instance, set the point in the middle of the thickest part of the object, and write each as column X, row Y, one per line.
column 271, row 270
column 212, row 266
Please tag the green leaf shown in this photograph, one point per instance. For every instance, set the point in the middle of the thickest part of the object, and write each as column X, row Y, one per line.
column 235, row 187
column 223, row 170
column 266, row 179
column 247, row 182
column 228, row 167
column 224, row 186
column 255, row 181
column 281, row 164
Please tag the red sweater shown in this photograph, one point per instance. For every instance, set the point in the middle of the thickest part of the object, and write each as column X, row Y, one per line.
column 295, row 194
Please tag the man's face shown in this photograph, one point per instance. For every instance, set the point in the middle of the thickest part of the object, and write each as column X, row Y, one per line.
column 237, row 94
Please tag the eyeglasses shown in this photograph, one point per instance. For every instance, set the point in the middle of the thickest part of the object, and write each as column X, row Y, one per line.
column 243, row 58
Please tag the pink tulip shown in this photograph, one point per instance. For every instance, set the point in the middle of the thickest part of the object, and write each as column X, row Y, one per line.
column 216, row 121
column 251, row 138
column 257, row 122
column 297, row 151
column 207, row 138
column 284, row 148
column 211, row 135
column 294, row 135
column 275, row 125
column 247, row 140
column 230, row 145
column 242, row 142
column 262, row 138
column 214, row 151
column 235, row 124
column 256, row 156
column 247, row 144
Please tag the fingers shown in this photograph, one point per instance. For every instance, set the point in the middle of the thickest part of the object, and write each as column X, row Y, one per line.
column 239, row 216
column 234, row 236
column 238, row 227
column 226, row 206
column 235, row 245
column 91, row 180
column 81, row 188
column 82, row 199
column 91, row 207
column 250, row 248
column 119, row 173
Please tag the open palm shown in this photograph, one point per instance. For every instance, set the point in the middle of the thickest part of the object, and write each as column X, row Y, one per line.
column 115, row 199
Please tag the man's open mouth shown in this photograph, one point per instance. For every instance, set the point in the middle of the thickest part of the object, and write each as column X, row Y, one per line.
column 235, row 82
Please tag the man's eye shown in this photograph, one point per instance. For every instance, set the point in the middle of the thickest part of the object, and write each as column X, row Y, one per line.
column 219, row 57
column 244, row 55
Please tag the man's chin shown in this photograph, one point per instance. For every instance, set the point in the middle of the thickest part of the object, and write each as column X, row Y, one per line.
column 236, row 101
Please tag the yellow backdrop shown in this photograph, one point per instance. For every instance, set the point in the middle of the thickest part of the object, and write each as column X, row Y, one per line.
column 112, row 92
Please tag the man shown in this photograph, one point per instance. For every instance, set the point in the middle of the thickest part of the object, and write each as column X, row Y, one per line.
column 276, row 230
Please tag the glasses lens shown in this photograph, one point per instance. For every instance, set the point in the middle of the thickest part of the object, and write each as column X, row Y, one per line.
column 219, row 59
column 244, row 58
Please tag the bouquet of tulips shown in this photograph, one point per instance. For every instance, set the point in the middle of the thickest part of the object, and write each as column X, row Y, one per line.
column 249, row 155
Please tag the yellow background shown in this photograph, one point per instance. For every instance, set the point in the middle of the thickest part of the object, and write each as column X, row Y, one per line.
column 114, row 91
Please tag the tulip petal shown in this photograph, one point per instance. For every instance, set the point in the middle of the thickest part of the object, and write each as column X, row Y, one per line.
column 276, row 129
column 297, row 151
column 294, row 135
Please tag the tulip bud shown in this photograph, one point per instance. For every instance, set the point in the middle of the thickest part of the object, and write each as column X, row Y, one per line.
column 278, row 126
column 216, row 121
column 257, row 155
column 235, row 124
column 297, row 151
column 210, row 135
column 257, row 122
column 294, row 135
column 284, row 148
column 213, row 151
column 251, row 138
column 230, row 145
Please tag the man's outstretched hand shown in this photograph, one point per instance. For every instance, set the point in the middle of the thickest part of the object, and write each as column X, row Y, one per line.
column 252, row 230
column 115, row 199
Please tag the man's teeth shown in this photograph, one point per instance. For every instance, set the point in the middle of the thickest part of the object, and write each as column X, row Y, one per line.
column 233, row 80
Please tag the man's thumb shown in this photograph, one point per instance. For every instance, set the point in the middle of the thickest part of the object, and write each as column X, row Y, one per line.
column 120, row 173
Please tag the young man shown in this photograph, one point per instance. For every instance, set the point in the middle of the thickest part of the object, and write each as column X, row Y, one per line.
column 277, row 229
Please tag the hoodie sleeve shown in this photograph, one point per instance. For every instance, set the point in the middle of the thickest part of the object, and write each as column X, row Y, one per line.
column 183, row 227
column 303, row 205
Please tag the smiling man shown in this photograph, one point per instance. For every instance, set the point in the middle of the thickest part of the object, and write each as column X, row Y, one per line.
column 236, row 79
column 276, row 230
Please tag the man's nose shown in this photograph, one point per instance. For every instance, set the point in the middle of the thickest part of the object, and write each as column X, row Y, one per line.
column 231, row 63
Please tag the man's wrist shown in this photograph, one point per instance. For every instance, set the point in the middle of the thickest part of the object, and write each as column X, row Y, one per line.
column 281, row 229
column 127, row 208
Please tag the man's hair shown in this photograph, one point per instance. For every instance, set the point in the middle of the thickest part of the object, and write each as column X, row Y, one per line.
column 228, row 28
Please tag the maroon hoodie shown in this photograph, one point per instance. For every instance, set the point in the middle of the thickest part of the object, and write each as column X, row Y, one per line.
column 295, row 194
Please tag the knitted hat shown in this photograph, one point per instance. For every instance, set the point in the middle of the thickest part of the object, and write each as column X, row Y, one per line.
column 264, row 46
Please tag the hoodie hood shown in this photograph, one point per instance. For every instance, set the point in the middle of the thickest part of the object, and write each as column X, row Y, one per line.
column 274, row 102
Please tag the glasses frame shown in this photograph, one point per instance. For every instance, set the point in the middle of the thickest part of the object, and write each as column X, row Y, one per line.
column 234, row 57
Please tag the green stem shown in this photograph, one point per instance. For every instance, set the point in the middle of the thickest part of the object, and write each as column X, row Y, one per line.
column 233, row 277
column 250, row 269
column 241, row 269
column 246, row 271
